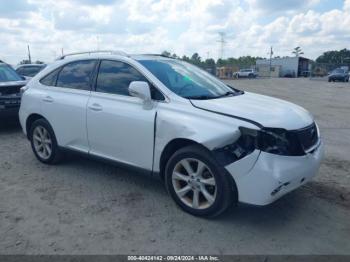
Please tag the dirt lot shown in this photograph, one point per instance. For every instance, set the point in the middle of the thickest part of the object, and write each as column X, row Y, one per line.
column 87, row 207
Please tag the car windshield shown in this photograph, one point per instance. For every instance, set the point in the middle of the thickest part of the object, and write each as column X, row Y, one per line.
column 29, row 70
column 338, row 71
column 8, row 74
column 186, row 80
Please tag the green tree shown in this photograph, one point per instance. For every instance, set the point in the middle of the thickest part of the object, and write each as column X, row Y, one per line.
column 196, row 59
column 297, row 51
column 335, row 57
column 24, row 61
column 209, row 65
column 166, row 53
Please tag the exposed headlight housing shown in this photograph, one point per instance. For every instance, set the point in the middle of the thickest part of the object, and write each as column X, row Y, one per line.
column 273, row 140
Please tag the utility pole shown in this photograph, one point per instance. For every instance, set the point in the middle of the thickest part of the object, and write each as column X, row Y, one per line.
column 62, row 51
column 271, row 53
column 29, row 57
column 222, row 42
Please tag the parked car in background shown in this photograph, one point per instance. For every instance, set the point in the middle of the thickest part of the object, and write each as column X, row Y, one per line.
column 289, row 73
column 250, row 73
column 305, row 73
column 339, row 74
column 212, row 145
column 29, row 70
column 10, row 91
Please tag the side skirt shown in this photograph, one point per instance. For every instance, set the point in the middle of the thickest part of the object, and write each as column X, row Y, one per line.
column 110, row 162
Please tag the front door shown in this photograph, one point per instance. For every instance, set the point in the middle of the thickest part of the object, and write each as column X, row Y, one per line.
column 119, row 127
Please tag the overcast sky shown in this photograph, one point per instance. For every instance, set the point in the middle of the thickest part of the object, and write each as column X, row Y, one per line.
column 180, row 26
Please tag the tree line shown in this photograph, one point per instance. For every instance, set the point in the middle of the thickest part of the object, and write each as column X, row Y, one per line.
column 210, row 64
column 340, row 57
column 335, row 57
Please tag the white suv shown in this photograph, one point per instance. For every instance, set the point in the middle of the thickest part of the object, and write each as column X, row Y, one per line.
column 250, row 73
column 213, row 145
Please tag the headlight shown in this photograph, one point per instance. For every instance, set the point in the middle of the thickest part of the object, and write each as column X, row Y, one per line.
column 273, row 140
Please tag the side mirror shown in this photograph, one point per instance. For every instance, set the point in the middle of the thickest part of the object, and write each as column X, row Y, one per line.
column 140, row 89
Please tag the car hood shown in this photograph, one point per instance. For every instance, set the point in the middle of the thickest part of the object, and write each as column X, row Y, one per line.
column 338, row 74
column 13, row 83
column 264, row 110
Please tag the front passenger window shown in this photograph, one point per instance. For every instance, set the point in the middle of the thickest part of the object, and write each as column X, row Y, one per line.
column 114, row 77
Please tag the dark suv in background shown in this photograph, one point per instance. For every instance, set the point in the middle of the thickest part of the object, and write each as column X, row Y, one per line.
column 338, row 74
column 10, row 91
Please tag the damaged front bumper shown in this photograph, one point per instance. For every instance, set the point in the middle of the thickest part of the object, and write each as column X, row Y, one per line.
column 262, row 178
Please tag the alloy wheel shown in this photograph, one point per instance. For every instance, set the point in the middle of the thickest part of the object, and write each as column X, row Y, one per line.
column 42, row 142
column 194, row 183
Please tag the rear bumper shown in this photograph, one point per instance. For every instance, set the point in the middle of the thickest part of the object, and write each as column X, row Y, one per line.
column 273, row 176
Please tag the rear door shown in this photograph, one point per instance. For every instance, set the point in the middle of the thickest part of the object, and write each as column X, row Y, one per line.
column 119, row 127
column 66, row 94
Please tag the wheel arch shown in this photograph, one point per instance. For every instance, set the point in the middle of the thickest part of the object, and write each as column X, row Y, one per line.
column 170, row 149
column 31, row 119
column 179, row 143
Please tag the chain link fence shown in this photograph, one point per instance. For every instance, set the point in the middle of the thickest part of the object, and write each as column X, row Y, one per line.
column 322, row 71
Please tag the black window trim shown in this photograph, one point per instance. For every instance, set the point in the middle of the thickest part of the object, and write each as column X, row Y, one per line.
column 150, row 82
column 60, row 68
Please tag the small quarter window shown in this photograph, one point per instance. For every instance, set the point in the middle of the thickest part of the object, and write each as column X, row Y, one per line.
column 50, row 79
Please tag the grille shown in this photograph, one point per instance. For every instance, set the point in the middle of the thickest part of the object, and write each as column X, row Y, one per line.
column 9, row 90
column 308, row 136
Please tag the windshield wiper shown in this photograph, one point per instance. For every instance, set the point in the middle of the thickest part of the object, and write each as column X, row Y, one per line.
column 229, row 93
column 202, row 97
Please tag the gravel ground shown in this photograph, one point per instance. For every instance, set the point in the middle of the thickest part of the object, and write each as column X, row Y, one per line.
column 87, row 207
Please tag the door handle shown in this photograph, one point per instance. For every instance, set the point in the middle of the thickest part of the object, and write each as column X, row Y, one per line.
column 95, row 107
column 48, row 99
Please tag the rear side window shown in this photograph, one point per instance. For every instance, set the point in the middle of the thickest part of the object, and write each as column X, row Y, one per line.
column 114, row 77
column 76, row 75
column 50, row 79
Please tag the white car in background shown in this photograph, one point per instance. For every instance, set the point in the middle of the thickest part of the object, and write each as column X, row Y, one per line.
column 213, row 145
column 248, row 73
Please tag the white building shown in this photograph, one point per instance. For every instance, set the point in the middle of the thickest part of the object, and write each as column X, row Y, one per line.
column 289, row 66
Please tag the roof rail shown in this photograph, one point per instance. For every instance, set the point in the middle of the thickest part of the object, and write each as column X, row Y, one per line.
column 112, row 52
column 159, row 55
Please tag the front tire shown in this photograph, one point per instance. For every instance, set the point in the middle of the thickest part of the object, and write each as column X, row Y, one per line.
column 44, row 143
column 197, row 183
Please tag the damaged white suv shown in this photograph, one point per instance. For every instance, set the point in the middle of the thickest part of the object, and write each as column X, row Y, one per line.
column 213, row 145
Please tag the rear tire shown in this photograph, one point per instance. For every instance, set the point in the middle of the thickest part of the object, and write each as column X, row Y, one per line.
column 197, row 183
column 44, row 143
